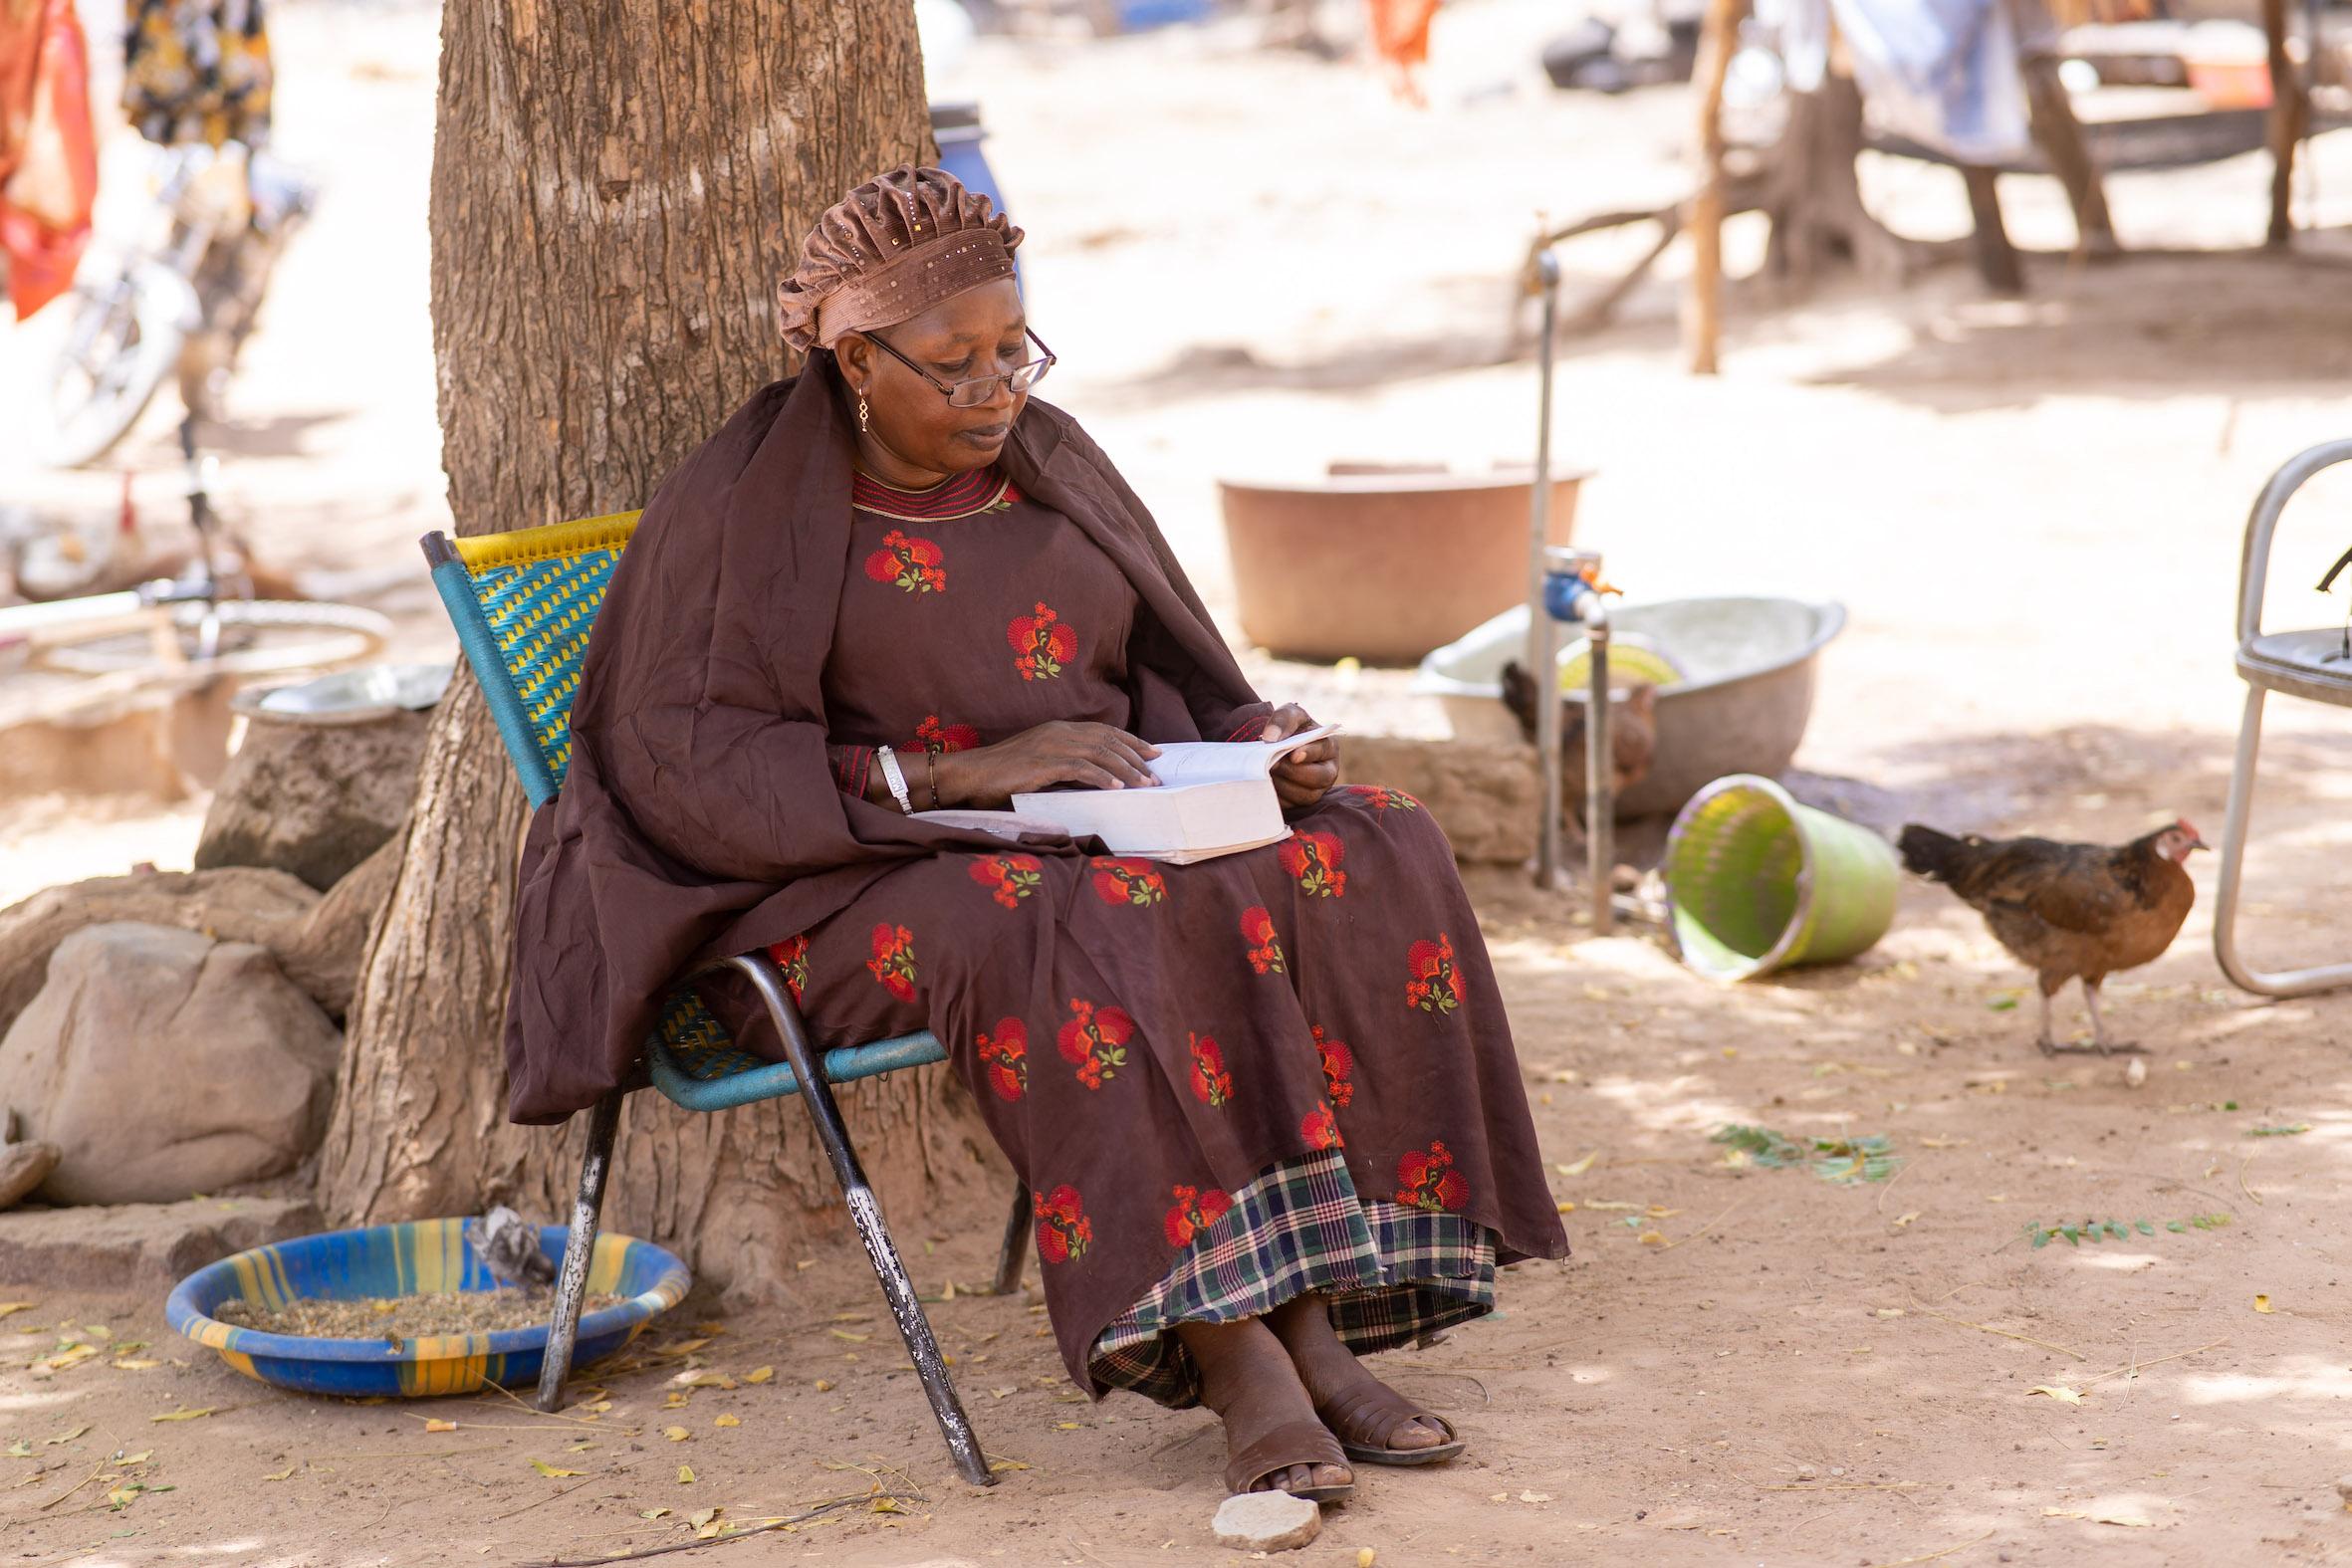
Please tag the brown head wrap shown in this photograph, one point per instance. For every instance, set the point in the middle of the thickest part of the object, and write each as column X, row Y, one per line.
column 889, row 251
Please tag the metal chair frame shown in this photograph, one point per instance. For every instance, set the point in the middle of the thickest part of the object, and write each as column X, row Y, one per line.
column 545, row 642
column 2294, row 664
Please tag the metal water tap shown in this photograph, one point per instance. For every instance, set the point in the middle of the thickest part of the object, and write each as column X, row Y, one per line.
column 1573, row 592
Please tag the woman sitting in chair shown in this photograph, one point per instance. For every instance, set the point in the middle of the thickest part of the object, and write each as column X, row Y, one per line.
column 1266, row 1102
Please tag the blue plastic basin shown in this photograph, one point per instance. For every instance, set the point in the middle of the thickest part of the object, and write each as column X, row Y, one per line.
column 421, row 1257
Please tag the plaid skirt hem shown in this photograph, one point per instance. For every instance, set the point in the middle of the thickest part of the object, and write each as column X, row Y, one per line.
column 1394, row 1275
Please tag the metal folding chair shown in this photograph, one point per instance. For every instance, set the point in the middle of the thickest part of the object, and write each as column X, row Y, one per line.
column 523, row 604
column 2308, row 665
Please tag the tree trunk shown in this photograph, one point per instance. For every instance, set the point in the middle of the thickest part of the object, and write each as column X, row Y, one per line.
column 617, row 189
column 1815, row 195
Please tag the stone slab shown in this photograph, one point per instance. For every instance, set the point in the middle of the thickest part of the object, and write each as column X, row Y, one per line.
column 142, row 1248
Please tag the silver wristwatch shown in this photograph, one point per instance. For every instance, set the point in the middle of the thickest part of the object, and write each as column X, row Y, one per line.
column 895, row 777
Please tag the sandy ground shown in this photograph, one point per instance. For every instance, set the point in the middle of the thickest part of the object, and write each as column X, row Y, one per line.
column 2033, row 510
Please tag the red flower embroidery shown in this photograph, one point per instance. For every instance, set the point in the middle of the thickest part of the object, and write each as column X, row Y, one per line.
column 1321, row 1129
column 1062, row 1226
column 1314, row 859
column 893, row 963
column 1429, row 1180
column 1127, row 881
column 1009, row 878
column 1006, row 1055
column 937, row 736
column 1339, row 1065
column 916, row 565
column 792, row 956
column 1194, row 1213
column 1386, row 799
column 1094, row 1041
column 1266, row 949
column 1431, row 967
column 1211, row 1084
column 1043, row 643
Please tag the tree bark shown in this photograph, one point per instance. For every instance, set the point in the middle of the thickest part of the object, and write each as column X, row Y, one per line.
column 617, row 189
column 1815, row 195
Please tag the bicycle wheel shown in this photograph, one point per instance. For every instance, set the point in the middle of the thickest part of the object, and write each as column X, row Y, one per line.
column 124, row 339
column 233, row 637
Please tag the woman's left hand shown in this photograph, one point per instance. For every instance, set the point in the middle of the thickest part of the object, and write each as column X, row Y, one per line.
column 1304, row 775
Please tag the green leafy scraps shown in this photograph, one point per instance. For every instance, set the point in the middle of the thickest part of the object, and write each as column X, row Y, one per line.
column 2278, row 1132
column 1841, row 1160
column 2101, row 1229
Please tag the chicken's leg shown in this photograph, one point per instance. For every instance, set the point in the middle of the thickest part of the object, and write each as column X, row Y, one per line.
column 2047, row 1041
column 2091, row 995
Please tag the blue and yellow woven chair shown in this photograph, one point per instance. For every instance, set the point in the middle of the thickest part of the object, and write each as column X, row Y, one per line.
column 523, row 605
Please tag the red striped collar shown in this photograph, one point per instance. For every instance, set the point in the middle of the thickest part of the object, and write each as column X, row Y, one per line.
column 958, row 496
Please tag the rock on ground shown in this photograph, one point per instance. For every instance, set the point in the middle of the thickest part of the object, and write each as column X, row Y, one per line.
column 146, row 1247
column 1267, row 1522
column 164, row 1063
column 22, row 1167
column 322, row 953
column 315, row 799
column 234, row 904
column 1483, row 794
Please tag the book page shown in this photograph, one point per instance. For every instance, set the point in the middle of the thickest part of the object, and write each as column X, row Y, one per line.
column 1222, row 762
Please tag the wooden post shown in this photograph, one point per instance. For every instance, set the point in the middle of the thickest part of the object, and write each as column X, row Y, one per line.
column 1703, row 312
column 2060, row 136
column 2287, row 126
column 1997, row 258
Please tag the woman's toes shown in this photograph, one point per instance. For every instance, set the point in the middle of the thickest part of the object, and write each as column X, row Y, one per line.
column 1332, row 1476
column 1417, row 1433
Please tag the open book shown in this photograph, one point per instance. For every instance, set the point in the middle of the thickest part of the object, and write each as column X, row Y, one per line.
column 1214, row 797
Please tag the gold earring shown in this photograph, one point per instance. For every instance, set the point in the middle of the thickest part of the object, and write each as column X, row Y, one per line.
column 861, row 419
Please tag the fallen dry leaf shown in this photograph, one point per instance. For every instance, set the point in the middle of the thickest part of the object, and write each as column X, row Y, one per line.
column 1580, row 1166
column 138, row 1364
column 853, row 1338
column 67, row 1437
column 184, row 1414
column 759, row 1374
column 1364, row 1557
column 2262, row 1304
column 2102, row 1516
column 21, row 1448
column 545, row 1469
column 1652, row 1239
column 2057, row 1391
column 9, row 1308
column 703, row 1380
column 1566, row 1208
column 824, row 1384
column 700, row 1517
column 726, row 1420
column 440, row 1425
column 685, row 1474
column 684, row 1347
column 1904, row 1218
column 1535, row 1496
column 652, row 1513
column 1615, row 1208
column 285, row 1475
column 676, row 1434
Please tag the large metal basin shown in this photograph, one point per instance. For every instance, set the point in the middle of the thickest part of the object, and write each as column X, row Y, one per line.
column 1741, row 708
column 1381, row 566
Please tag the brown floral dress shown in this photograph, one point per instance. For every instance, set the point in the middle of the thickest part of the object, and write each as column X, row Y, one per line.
column 1224, row 1083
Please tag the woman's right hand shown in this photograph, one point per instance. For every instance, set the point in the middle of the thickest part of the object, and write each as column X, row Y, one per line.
column 1064, row 751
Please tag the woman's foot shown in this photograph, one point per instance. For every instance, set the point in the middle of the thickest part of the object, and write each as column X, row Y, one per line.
column 1360, row 1410
column 1248, row 1379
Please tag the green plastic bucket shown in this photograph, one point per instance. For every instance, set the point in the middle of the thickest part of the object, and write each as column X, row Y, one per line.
column 1758, row 882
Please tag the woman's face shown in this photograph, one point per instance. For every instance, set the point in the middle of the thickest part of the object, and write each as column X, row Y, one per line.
column 981, row 331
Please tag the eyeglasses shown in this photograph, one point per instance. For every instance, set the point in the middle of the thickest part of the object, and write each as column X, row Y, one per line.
column 979, row 389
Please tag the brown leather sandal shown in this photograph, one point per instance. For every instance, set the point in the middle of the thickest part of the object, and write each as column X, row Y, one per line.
column 1291, row 1444
column 1376, row 1408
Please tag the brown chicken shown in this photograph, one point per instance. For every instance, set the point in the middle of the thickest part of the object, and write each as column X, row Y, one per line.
column 1634, row 731
column 2071, row 911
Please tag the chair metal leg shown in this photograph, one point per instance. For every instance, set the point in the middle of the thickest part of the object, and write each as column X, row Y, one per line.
column 898, row 1289
column 2285, row 983
column 580, row 1249
column 1016, row 1250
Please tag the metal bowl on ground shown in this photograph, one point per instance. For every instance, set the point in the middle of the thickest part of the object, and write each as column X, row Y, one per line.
column 420, row 1257
column 1747, row 695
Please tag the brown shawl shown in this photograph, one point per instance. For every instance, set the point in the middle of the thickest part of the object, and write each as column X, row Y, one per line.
column 699, row 818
